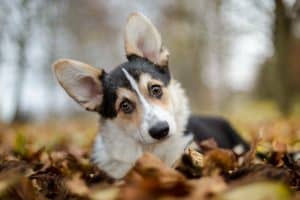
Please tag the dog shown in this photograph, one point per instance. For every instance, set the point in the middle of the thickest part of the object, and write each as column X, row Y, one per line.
column 141, row 107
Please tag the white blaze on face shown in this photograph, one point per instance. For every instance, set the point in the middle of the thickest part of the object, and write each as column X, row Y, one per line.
column 135, row 86
column 152, row 113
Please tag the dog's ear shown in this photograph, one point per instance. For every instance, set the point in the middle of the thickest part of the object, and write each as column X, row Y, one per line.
column 142, row 39
column 81, row 81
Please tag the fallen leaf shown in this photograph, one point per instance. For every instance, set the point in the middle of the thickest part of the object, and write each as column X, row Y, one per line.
column 77, row 186
column 219, row 161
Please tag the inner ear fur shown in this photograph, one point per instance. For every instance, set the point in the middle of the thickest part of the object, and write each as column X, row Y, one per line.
column 142, row 39
column 81, row 81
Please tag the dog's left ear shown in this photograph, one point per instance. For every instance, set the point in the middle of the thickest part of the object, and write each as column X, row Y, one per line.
column 142, row 39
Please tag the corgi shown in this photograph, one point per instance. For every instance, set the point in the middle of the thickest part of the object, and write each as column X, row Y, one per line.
column 141, row 107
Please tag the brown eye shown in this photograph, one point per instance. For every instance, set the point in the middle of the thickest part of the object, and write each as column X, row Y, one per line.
column 126, row 106
column 156, row 91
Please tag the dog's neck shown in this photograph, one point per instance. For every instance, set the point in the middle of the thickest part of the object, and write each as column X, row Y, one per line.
column 113, row 143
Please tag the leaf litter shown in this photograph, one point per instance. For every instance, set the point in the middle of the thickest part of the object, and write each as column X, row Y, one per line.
column 35, row 164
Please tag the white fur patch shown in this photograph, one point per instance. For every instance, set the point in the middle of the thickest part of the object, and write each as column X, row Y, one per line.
column 135, row 86
column 239, row 149
column 114, row 151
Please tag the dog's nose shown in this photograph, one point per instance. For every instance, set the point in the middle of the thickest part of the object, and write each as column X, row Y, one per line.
column 159, row 130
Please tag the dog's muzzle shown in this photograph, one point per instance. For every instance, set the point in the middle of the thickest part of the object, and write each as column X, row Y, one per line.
column 159, row 130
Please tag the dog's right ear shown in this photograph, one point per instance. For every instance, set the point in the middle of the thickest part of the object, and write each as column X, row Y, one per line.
column 81, row 81
column 142, row 39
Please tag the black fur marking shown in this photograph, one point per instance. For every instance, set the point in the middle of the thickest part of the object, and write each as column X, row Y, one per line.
column 116, row 79
column 217, row 128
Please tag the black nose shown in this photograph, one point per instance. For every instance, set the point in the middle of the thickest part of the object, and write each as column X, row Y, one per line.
column 159, row 130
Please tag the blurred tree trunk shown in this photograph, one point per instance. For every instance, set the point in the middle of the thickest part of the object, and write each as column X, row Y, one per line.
column 215, row 60
column 20, row 79
column 186, row 62
column 282, row 29
column 274, row 78
column 21, row 42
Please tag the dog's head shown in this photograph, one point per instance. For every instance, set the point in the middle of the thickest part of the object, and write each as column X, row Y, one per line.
column 137, row 97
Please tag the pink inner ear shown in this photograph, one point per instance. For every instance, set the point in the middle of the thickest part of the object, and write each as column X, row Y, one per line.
column 147, row 53
column 90, row 86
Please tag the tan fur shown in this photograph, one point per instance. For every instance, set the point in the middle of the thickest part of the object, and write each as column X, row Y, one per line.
column 163, row 57
column 122, row 118
column 164, row 101
column 136, row 117
column 145, row 81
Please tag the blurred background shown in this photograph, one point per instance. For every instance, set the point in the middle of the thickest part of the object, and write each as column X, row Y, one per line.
column 235, row 58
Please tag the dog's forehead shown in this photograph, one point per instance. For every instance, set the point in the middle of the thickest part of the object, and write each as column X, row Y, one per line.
column 136, row 67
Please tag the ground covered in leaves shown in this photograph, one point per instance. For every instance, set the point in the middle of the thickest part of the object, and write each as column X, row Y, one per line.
column 51, row 161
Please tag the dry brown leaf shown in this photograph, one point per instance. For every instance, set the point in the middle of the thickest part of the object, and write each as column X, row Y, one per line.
column 279, row 146
column 190, row 164
column 206, row 188
column 149, row 166
column 219, row 161
column 208, row 144
column 77, row 186
column 151, row 178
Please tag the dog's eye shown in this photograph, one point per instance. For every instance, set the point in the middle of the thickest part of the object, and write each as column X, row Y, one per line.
column 126, row 106
column 156, row 91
